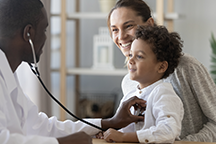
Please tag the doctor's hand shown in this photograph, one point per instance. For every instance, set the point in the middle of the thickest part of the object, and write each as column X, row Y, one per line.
column 123, row 116
column 76, row 138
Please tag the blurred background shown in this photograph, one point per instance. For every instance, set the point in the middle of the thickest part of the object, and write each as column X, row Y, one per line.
column 97, row 94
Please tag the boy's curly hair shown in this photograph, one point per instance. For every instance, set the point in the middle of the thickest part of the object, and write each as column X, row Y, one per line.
column 166, row 46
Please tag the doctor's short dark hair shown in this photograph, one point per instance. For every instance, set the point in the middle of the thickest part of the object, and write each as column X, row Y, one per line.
column 16, row 14
column 166, row 46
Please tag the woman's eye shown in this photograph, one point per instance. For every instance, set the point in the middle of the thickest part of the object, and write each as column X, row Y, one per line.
column 130, row 55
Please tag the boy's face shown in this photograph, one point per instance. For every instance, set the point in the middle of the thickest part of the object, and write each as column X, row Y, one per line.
column 142, row 64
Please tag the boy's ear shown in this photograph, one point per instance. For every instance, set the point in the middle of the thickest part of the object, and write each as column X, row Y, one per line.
column 163, row 67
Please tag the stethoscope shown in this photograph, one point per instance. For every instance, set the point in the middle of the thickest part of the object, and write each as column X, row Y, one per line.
column 34, row 69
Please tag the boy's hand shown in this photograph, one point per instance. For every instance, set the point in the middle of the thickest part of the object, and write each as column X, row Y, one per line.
column 112, row 135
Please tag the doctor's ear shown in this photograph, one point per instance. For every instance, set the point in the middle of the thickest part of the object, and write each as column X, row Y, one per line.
column 28, row 32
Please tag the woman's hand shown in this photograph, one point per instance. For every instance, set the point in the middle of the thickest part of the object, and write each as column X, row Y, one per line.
column 123, row 116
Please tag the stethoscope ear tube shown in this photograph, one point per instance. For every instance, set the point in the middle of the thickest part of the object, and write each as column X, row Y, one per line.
column 36, row 72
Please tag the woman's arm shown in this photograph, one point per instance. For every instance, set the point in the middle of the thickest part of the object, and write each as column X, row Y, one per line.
column 195, row 87
column 202, row 103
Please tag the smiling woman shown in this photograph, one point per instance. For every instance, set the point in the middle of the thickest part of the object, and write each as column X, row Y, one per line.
column 191, row 80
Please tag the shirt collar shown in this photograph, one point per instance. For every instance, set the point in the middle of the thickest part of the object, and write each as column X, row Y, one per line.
column 149, row 88
column 6, row 72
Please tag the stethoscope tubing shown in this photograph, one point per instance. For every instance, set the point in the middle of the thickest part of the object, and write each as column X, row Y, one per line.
column 36, row 72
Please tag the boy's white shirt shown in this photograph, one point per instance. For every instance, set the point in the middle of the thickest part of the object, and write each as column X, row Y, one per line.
column 163, row 115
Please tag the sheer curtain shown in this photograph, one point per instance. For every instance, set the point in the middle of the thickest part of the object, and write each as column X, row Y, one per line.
column 29, row 82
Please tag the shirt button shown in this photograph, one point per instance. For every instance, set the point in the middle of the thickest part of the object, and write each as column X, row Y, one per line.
column 146, row 141
column 140, row 92
column 168, row 116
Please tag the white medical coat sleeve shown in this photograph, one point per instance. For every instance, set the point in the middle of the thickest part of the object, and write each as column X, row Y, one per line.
column 40, row 124
column 53, row 127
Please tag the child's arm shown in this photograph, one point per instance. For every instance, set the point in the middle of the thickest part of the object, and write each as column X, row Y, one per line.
column 112, row 135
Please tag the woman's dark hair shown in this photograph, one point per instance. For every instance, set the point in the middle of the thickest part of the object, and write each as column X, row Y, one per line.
column 166, row 46
column 139, row 6
column 16, row 14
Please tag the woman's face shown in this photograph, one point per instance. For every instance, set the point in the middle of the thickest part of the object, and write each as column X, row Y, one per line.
column 123, row 24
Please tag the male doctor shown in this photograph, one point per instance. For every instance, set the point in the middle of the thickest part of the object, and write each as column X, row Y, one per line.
column 22, row 21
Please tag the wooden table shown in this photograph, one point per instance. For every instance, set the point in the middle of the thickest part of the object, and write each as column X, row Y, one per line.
column 101, row 141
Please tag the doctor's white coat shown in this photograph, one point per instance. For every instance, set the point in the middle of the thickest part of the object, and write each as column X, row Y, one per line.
column 20, row 122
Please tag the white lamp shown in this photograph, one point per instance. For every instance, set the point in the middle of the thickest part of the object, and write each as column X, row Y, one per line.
column 103, row 50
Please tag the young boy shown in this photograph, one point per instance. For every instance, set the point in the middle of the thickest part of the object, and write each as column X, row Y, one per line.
column 154, row 55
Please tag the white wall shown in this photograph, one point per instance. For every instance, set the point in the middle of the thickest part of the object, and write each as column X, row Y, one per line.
column 195, row 29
